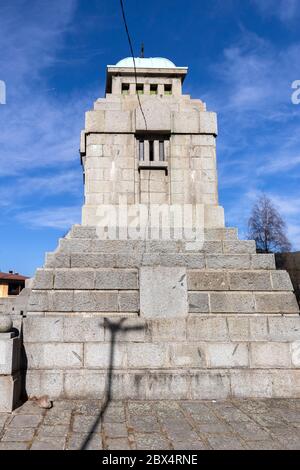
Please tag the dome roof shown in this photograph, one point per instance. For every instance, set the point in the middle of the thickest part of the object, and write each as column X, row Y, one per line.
column 149, row 62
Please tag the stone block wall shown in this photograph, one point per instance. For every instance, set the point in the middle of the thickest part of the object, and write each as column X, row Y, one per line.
column 110, row 155
column 291, row 262
column 212, row 323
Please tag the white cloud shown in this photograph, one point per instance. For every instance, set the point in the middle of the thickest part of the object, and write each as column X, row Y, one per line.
column 40, row 126
column 60, row 218
column 285, row 10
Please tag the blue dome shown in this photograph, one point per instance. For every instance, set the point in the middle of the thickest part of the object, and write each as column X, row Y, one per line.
column 150, row 62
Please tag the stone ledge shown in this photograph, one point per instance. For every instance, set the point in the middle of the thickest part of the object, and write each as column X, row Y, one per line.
column 161, row 385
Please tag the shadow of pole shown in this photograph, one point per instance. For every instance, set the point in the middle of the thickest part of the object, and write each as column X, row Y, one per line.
column 114, row 328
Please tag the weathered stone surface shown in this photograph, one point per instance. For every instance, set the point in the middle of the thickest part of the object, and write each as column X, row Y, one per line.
column 163, row 292
column 116, row 279
column 198, row 302
column 210, row 385
column 95, row 301
column 45, row 329
column 84, row 383
column 167, row 329
column 227, row 355
column 74, row 279
column 250, row 280
column 276, row 302
column 206, row 280
column 263, row 261
column 54, row 355
column 284, row 328
column 270, row 355
column 228, row 261
column 80, row 329
column 281, row 280
column 239, row 247
column 10, row 349
column 146, row 355
column 207, row 329
column 187, row 355
column 125, row 329
column 129, row 301
column 232, row 302
column 43, row 279
column 99, row 355
column 10, row 386
column 41, row 382
column 251, row 383
column 239, row 328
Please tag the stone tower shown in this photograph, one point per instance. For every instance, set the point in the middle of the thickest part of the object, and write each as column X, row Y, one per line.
column 161, row 152
column 211, row 319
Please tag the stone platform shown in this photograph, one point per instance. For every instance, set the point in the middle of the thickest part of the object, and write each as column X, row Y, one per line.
column 155, row 425
column 161, row 320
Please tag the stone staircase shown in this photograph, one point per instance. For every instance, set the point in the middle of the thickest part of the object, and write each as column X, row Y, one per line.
column 179, row 320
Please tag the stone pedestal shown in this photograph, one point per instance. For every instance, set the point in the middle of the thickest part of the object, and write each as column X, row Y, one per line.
column 10, row 380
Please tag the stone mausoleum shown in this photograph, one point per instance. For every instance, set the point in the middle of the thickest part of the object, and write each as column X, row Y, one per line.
column 163, row 318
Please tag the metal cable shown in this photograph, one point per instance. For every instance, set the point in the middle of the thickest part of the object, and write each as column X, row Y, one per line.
column 133, row 58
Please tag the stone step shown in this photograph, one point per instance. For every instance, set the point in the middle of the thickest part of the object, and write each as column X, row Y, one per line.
column 86, row 279
column 136, row 355
column 158, row 384
column 216, row 328
column 137, row 259
column 81, row 231
column 254, row 280
column 127, row 279
column 88, row 245
column 109, row 301
column 242, row 302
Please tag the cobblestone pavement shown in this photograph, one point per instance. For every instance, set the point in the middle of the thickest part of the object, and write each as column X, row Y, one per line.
column 180, row 425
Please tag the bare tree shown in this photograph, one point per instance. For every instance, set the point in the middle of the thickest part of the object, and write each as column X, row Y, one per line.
column 267, row 227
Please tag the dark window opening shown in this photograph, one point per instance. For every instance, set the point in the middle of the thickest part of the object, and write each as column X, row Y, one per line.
column 125, row 88
column 168, row 89
column 153, row 89
column 140, row 88
column 151, row 150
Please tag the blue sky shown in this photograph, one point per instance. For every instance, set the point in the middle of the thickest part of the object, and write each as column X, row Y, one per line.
column 243, row 56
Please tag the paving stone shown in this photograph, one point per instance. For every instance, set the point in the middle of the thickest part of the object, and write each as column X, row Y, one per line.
column 144, row 424
column 25, row 421
column 49, row 443
column 214, row 428
column 13, row 446
column 63, row 418
column 115, row 430
column 189, row 445
column 77, row 440
column 117, row 444
column 151, row 441
column 29, row 408
column 250, row 431
column 231, row 414
column 3, row 418
column 158, row 425
column 82, row 423
column 290, row 438
column 140, row 408
column 225, row 442
column 114, row 415
column 265, row 445
column 53, row 431
column 18, row 434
